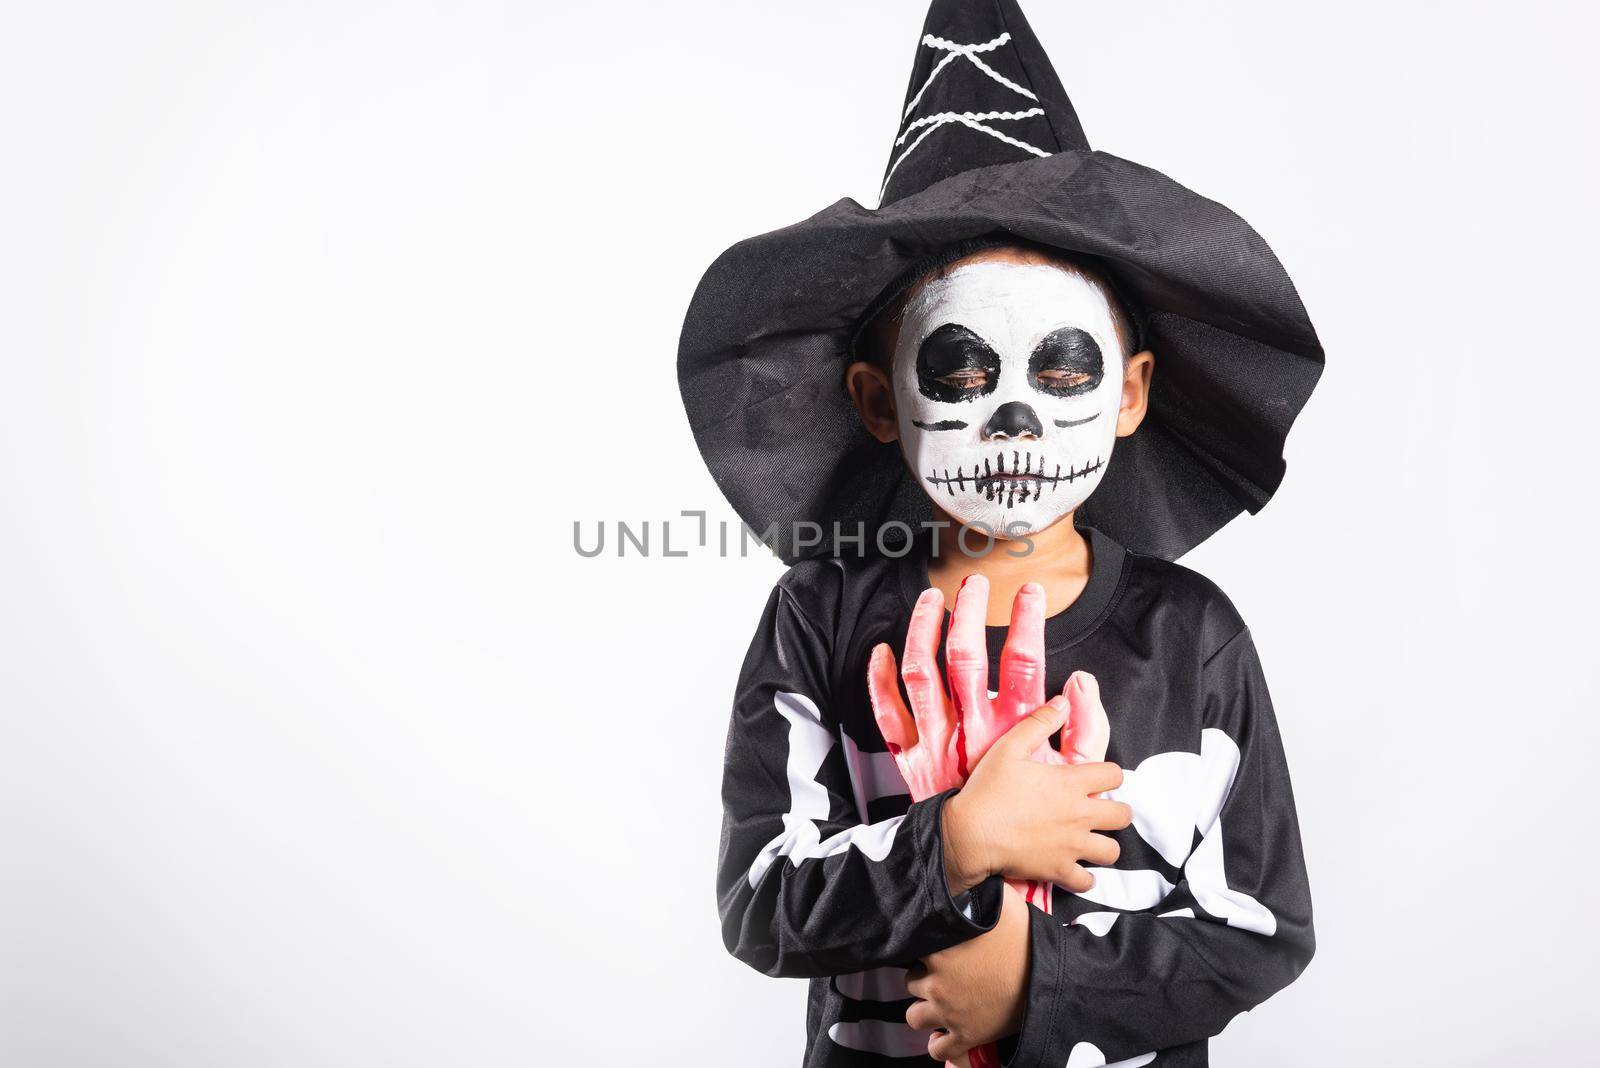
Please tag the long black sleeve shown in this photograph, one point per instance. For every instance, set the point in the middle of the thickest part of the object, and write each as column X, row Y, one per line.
column 806, row 887
column 1235, row 927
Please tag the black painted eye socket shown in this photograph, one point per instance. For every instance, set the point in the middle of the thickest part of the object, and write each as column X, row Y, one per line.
column 1066, row 363
column 955, row 364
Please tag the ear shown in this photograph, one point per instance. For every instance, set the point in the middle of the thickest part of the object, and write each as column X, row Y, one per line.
column 873, row 394
column 1135, row 392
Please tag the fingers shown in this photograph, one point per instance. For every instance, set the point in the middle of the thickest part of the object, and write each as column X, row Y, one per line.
column 894, row 721
column 1035, row 729
column 966, row 651
column 945, row 1046
column 927, row 1014
column 1098, row 849
column 922, row 1016
column 921, row 670
column 918, row 981
column 1075, row 879
column 1095, row 778
column 1109, row 815
column 930, row 708
column 1022, row 658
column 1088, row 730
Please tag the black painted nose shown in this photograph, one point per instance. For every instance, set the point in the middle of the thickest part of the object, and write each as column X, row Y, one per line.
column 1013, row 420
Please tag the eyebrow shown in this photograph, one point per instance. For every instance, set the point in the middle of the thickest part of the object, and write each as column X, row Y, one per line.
column 1073, row 342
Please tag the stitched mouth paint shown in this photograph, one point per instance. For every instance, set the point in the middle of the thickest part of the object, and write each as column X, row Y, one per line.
column 1007, row 380
column 1019, row 484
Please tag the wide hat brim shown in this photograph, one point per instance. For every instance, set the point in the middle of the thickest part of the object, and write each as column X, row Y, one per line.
column 768, row 334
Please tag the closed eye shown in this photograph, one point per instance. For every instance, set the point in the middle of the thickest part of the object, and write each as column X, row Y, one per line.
column 1062, row 379
column 964, row 380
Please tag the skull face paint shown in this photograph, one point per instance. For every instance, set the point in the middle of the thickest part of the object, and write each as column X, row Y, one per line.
column 1007, row 384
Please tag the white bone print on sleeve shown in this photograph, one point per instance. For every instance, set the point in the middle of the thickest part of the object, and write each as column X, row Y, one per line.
column 809, row 743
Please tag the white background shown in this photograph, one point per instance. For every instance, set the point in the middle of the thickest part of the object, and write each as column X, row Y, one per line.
column 319, row 745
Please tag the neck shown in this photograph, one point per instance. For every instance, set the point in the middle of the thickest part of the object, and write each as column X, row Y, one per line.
column 1059, row 561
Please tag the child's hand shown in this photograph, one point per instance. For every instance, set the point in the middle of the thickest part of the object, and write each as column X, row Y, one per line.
column 973, row 992
column 1025, row 819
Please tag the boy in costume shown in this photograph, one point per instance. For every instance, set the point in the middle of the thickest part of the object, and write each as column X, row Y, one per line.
column 960, row 369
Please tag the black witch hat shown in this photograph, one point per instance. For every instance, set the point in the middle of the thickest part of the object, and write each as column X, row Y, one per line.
column 990, row 148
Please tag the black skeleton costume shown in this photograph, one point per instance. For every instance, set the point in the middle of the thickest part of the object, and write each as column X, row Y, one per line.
column 827, row 869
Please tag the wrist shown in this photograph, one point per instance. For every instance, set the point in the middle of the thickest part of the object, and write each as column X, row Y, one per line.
column 966, row 856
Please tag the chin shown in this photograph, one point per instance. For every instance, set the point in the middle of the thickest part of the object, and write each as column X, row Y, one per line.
column 1009, row 523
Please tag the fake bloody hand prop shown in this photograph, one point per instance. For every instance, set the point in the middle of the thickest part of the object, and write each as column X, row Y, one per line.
column 949, row 728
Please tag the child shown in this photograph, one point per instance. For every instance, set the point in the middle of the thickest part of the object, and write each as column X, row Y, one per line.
column 1005, row 305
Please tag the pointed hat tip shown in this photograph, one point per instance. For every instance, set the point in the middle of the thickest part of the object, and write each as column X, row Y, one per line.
column 982, row 91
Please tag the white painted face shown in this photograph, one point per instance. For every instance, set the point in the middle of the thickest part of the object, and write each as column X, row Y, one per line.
column 1007, row 384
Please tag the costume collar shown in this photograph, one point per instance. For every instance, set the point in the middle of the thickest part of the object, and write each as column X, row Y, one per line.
column 1107, row 563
